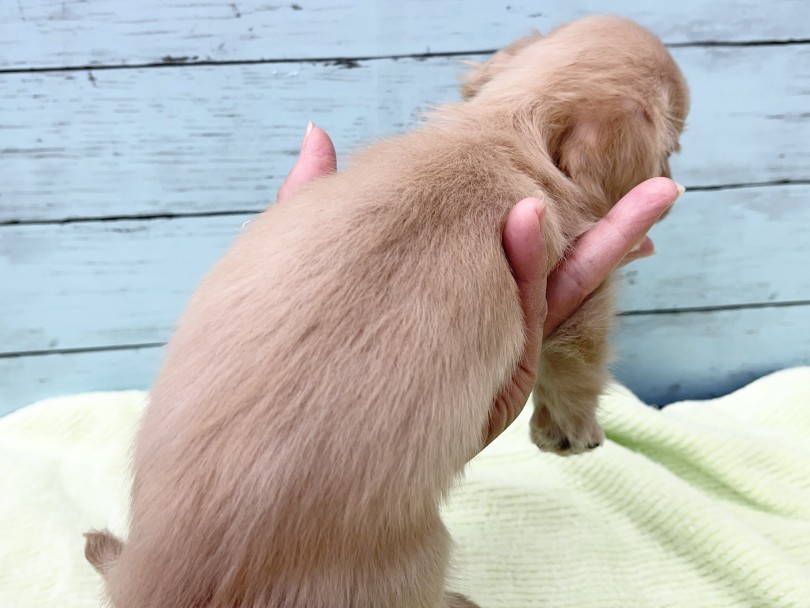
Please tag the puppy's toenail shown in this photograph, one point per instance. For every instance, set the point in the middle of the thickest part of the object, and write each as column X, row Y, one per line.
column 565, row 444
column 593, row 446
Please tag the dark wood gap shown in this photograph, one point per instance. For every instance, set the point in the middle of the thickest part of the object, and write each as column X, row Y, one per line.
column 129, row 218
column 350, row 62
column 629, row 313
column 86, row 349
column 235, row 212
column 721, row 307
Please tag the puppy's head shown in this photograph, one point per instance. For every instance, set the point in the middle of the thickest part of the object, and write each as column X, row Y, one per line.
column 602, row 95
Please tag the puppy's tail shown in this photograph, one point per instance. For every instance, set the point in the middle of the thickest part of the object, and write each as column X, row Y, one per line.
column 102, row 550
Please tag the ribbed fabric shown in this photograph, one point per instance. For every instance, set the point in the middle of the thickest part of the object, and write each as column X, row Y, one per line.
column 702, row 504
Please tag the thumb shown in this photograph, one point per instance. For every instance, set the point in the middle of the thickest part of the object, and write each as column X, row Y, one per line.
column 317, row 158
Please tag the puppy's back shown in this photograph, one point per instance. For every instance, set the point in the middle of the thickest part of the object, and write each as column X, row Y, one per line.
column 330, row 377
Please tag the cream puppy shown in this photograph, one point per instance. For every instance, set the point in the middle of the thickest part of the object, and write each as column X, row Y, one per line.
column 334, row 371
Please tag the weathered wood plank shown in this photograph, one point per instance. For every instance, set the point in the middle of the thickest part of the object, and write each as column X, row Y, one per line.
column 53, row 33
column 670, row 357
column 664, row 358
column 24, row 380
column 99, row 284
column 153, row 141
column 739, row 246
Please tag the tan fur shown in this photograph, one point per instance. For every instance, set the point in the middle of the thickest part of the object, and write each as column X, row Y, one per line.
column 334, row 372
column 102, row 549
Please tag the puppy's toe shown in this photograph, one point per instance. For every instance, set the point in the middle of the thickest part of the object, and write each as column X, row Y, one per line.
column 575, row 438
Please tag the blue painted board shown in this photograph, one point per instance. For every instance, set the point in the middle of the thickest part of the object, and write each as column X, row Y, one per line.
column 24, row 380
column 101, row 284
column 700, row 355
column 662, row 357
column 201, row 139
column 725, row 248
column 52, row 33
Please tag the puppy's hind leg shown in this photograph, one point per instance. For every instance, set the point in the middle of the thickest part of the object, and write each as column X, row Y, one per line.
column 572, row 375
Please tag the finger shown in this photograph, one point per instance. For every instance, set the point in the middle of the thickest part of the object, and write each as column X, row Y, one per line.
column 601, row 249
column 525, row 249
column 317, row 158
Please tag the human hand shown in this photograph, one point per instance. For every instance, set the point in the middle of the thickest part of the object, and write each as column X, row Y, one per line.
column 620, row 237
column 546, row 301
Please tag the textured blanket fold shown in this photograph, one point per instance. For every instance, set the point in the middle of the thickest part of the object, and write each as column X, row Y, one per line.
column 702, row 504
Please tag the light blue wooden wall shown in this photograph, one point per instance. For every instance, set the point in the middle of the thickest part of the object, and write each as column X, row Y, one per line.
column 137, row 137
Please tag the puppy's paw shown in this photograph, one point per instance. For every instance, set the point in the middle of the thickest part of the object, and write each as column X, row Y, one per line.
column 567, row 437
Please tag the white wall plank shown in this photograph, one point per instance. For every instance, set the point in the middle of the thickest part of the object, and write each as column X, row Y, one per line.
column 664, row 358
column 99, row 284
column 53, row 33
column 199, row 139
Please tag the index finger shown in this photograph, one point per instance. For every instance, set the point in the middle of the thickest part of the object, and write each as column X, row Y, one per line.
column 602, row 248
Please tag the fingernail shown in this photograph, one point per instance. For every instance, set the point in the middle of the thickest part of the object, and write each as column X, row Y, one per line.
column 638, row 245
column 681, row 188
column 310, row 126
column 644, row 248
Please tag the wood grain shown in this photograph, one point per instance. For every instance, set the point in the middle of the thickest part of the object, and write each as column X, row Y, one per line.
column 55, row 33
column 739, row 246
column 699, row 355
column 217, row 135
column 207, row 139
column 100, row 284
column 24, row 380
column 663, row 358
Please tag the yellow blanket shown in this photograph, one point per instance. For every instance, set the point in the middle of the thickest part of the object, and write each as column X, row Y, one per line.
column 703, row 504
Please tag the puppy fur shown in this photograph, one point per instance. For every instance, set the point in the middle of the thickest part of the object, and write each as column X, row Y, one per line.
column 334, row 371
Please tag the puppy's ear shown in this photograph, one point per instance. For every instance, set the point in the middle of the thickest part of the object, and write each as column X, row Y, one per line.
column 481, row 73
column 609, row 150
